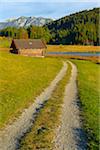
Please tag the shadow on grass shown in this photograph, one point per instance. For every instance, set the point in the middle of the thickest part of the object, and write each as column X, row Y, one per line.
column 80, row 138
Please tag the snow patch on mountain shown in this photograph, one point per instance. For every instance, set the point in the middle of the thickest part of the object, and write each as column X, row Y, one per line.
column 25, row 22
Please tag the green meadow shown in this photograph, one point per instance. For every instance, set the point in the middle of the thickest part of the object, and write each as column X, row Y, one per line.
column 5, row 42
column 89, row 90
column 21, row 80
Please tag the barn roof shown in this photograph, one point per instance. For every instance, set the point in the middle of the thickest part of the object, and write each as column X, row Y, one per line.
column 28, row 44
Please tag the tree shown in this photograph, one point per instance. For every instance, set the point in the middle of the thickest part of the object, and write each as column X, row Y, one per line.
column 79, row 28
column 39, row 33
column 22, row 33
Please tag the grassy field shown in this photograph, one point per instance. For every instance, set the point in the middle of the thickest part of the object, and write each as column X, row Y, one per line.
column 21, row 80
column 43, row 130
column 72, row 48
column 5, row 42
column 89, row 89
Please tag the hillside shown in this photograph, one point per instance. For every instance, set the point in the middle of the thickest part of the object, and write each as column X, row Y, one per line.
column 25, row 22
column 79, row 28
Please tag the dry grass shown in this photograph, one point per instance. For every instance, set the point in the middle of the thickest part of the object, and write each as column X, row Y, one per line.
column 4, row 49
column 95, row 59
column 72, row 48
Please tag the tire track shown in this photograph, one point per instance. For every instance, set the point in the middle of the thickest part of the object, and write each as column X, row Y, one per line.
column 69, row 134
column 10, row 136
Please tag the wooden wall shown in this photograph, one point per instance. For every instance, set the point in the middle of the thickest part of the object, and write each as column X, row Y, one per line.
column 31, row 52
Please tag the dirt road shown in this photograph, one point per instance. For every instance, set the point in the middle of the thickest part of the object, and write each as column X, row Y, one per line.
column 12, row 133
column 69, row 135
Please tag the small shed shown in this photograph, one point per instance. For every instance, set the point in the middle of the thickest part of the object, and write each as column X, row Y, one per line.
column 28, row 47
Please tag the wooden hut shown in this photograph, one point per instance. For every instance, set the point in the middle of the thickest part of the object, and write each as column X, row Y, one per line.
column 28, row 47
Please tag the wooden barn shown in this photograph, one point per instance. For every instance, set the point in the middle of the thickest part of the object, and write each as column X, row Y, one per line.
column 28, row 47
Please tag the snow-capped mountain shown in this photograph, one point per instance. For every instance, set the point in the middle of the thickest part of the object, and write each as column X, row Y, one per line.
column 25, row 22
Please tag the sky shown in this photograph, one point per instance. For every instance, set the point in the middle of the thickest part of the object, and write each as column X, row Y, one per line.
column 54, row 9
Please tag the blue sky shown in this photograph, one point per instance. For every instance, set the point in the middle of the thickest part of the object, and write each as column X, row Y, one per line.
column 53, row 9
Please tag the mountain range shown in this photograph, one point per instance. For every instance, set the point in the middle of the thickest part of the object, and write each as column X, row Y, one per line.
column 78, row 28
column 25, row 22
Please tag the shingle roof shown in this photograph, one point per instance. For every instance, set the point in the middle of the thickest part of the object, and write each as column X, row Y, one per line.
column 28, row 44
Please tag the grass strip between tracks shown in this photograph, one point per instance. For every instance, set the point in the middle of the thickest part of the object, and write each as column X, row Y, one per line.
column 42, row 133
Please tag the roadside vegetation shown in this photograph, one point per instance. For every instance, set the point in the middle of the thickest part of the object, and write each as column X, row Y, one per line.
column 43, row 131
column 89, row 89
column 21, row 80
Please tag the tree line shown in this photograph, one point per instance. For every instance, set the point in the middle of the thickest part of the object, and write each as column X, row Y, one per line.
column 81, row 28
column 32, row 32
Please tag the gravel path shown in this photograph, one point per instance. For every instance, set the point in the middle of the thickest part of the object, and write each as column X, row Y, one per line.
column 12, row 133
column 69, row 135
